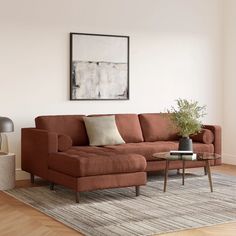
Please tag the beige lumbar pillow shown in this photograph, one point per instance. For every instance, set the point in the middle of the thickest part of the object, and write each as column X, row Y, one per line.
column 102, row 130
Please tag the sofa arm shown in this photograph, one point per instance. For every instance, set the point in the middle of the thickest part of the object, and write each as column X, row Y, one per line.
column 216, row 130
column 36, row 144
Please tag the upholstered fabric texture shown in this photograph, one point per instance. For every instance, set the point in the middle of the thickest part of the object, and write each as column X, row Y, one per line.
column 64, row 142
column 102, row 131
column 148, row 148
column 90, row 160
column 36, row 144
column 129, row 127
column 205, row 136
column 157, row 127
column 216, row 130
column 90, row 183
column 71, row 125
column 89, row 164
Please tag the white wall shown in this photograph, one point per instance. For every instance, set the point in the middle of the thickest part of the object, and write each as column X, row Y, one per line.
column 229, row 126
column 175, row 51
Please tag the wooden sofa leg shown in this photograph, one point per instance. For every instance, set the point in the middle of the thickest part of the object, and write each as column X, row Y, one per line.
column 137, row 190
column 205, row 170
column 32, row 178
column 178, row 171
column 52, row 186
column 77, row 197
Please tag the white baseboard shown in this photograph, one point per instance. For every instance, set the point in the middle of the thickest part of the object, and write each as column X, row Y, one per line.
column 22, row 175
column 229, row 159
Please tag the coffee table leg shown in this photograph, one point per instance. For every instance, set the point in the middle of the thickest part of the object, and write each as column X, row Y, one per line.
column 209, row 174
column 183, row 174
column 166, row 175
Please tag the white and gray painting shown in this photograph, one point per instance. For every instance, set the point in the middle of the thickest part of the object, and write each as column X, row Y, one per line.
column 99, row 67
column 99, row 80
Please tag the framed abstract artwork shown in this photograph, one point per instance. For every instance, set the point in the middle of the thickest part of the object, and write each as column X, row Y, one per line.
column 99, row 67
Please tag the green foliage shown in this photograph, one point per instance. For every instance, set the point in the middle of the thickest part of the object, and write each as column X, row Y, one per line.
column 186, row 117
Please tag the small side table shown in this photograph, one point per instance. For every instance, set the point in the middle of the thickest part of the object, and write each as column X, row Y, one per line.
column 7, row 171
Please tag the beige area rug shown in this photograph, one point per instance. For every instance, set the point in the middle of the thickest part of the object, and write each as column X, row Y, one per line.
column 117, row 212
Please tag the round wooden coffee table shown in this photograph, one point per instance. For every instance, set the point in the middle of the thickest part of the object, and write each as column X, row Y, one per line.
column 204, row 156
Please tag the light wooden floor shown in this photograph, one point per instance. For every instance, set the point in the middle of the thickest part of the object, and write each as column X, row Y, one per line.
column 19, row 219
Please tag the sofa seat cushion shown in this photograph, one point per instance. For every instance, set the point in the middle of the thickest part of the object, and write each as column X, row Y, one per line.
column 81, row 164
column 202, row 147
column 148, row 148
column 91, row 149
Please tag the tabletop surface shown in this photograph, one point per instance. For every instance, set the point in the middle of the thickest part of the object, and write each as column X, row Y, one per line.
column 200, row 156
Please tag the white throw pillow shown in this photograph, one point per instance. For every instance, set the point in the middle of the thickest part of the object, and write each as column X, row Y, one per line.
column 102, row 130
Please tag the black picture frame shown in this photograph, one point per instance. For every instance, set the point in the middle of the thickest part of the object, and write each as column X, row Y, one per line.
column 114, row 69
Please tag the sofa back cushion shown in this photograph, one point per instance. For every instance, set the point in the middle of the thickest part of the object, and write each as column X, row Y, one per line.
column 64, row 142
column 128, row 126
column 71, row 125
column 157, row 127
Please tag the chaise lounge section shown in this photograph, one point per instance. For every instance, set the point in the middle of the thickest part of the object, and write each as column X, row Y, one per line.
column 58, row 150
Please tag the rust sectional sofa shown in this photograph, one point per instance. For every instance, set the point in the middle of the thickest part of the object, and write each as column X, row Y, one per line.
column 58, row 150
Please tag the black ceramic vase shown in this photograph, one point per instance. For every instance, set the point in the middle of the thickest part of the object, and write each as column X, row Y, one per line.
column 185, row 144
